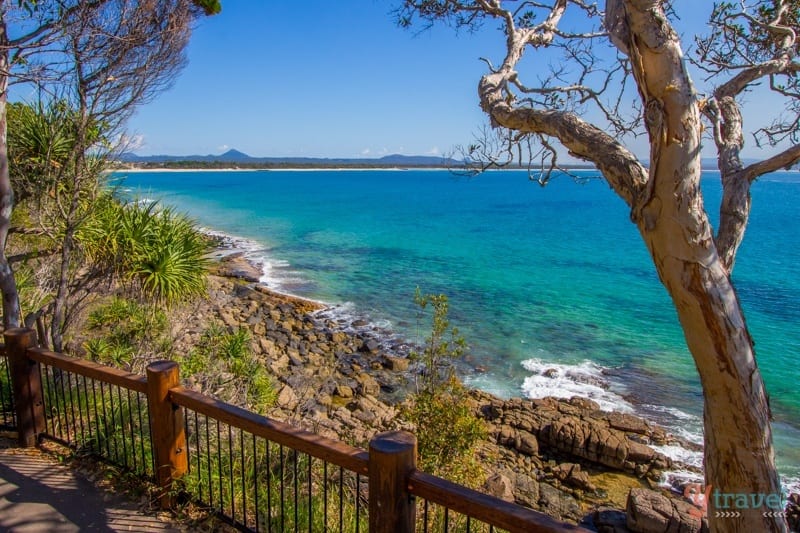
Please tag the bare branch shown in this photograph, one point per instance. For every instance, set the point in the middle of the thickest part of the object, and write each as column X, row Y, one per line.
column 783, row 160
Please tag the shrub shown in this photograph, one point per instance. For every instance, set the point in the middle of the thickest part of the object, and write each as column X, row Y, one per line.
column 220, row 352
column 159, row 251
column 130, row 333
column 447, row 430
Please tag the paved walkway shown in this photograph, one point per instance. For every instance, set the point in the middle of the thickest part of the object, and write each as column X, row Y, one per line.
column 39, row 495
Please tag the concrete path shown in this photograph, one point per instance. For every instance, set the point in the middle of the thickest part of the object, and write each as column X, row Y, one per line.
column 39, row 495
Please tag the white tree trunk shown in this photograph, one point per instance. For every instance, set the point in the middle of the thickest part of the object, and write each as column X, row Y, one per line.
column 672, row 220
column 667, row 207
column 8, row 285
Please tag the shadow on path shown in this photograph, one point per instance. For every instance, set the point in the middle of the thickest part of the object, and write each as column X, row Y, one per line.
column 37, row 495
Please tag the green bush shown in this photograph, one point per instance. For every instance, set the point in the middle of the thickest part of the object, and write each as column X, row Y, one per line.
column 447, row 430
column 221, row 352
column 159, row 251
column 129, row 330
column 447, row 434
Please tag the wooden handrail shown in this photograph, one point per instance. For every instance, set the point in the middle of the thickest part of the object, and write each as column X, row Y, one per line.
column 406, row 480
column 483, row 507
column 108, row 374
column 329, row 450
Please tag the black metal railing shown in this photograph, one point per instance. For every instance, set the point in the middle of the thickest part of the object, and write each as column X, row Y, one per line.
column 107, row 420
column 256, row 473
column 261, row 485
column 8, row 419
column 267, row 476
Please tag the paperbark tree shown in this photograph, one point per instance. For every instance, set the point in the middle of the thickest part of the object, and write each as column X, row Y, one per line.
column 581, row 104
column 119, row 54
column 35, row 54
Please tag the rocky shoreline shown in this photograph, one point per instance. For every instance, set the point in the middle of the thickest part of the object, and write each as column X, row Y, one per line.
column 566, row 458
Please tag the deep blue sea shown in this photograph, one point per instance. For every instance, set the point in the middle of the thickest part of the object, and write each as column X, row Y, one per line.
column 552, row 287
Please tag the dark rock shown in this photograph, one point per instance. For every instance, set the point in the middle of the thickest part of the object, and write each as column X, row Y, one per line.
column 793, row 512
column 244, row 291
column 370, row 346
column 580, row 480
column 526, row 490
column 608, row 520
column 528, row 443
column 558, row 503
column 365, row 416
column 628, row 422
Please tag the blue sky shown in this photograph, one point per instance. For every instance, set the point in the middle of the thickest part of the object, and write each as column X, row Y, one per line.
column 327, row 79
column 315, row 78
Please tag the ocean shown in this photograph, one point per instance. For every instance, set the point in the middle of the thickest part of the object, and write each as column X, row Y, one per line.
column 551, row 287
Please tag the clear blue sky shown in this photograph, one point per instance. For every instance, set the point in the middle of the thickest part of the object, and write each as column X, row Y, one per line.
column 326, row 78
column 317, row 78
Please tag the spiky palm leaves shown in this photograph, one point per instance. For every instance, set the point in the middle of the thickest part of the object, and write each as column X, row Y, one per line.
column 40, row 142
column 156, row 249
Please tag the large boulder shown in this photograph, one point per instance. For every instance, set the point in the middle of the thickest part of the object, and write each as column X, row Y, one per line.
column 649, row 511
column 577, row 428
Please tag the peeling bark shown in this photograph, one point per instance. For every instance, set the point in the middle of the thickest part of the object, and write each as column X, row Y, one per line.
column 8, row 285
column 667, row 207
column 739, row 456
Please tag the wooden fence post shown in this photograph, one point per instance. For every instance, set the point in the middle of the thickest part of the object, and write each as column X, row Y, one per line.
column 392, row 456
column 166, row 427
column 26, row 385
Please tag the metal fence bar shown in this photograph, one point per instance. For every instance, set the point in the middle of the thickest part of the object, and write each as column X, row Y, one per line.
column 256, row 473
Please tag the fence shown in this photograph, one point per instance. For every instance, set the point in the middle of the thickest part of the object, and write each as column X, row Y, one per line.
column 256, row 473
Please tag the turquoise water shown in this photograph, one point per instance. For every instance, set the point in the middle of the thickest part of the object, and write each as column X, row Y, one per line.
column 552, row 288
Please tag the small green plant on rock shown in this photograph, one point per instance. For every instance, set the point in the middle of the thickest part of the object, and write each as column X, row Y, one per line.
column 131, row 334
column 447, row 430
column 224, row 357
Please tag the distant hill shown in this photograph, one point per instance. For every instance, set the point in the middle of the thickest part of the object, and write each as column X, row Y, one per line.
column 237, row 158
column 240, row 158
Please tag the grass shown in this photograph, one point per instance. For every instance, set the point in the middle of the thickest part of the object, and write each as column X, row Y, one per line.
column 263, row 485
column 222, row 352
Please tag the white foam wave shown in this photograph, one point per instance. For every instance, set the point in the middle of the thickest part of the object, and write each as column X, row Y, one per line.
column 684, row 425
column 682, row 455
column 565, row 381
column 674, row 479
column 672, row 411
column 791, row 485
column 275, row 273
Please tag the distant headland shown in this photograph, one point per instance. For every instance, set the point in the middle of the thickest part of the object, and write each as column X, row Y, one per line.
column 235, row 159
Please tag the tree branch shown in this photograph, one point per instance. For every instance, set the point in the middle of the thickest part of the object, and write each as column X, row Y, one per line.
column 35, row 254
column 623, row 171
column 777, row 162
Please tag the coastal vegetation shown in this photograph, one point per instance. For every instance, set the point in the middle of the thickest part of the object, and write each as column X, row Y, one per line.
column 156, row 254
column 583, row 105
column 92, row 64
column 447, row 429
column 75, row 244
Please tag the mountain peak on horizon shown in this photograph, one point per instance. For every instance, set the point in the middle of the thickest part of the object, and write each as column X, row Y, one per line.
column 232, row 155
column 237, row 157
